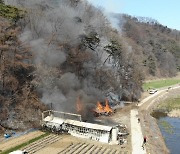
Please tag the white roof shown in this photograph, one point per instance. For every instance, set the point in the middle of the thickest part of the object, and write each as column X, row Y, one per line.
column 88, row 125
column 54, row 120
column 17, row 152
column 77, row 123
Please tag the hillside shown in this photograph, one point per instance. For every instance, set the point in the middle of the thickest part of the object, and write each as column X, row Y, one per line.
column 158, row 45
column 55, row 54
column 17, row 96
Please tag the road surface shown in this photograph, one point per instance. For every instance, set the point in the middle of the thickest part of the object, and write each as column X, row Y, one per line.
column 136, row 132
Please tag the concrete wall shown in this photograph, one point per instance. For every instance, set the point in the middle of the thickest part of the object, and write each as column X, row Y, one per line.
column 91, row 134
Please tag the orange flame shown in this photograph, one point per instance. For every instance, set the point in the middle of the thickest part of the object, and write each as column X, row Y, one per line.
column 104, row 109
column 79, row 105
column 107, row 107
column 99, row 107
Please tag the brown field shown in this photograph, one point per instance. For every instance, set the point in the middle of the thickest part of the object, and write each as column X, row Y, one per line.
column 7, row 144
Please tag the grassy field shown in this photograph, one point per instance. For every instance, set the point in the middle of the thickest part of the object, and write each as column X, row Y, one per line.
column 160, row 83
column 170, row 104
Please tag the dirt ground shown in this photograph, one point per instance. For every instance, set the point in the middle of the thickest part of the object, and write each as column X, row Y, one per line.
column 122, row 116
column 67, row 141
column 12, row 142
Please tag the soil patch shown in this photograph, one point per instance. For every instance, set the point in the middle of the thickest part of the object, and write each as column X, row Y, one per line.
column 174, row 113
column 12, row 142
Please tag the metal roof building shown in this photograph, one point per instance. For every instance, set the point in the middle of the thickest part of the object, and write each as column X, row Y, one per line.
column 102, row 133
column 88, row 125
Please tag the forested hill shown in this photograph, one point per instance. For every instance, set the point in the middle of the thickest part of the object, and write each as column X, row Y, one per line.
column 158, row 45
column 54, row 53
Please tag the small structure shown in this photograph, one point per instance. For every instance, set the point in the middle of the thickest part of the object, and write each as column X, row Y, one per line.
column 76, row 127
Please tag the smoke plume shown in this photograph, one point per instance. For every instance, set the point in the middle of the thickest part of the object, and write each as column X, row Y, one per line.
column 53, row 30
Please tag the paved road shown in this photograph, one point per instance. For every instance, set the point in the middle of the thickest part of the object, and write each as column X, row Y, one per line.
column 160, row 92
column 136, row 134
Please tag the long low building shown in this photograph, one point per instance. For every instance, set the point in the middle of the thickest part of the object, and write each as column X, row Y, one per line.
column 78, row 128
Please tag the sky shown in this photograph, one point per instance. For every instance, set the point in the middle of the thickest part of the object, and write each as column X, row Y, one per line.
column 166, row 12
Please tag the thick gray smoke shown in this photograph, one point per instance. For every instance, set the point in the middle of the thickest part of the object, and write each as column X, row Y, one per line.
column 51, row 29
column 47, row 55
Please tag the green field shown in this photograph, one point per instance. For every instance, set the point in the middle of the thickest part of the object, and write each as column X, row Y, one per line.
column 160, row 83
column 170, row 104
